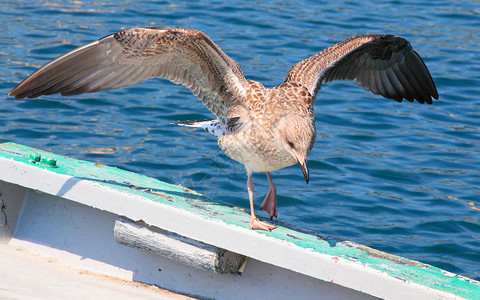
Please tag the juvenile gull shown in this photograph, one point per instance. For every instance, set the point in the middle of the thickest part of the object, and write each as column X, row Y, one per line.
column 264, row 129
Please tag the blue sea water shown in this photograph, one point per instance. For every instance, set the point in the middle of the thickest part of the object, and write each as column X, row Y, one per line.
column 399, row 177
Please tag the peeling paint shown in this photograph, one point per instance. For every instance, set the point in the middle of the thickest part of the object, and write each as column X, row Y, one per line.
column 383, row 255
column 293, row 236
column 3, row 210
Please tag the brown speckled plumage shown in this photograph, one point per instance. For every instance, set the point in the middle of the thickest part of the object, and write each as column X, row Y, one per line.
column 264, row 129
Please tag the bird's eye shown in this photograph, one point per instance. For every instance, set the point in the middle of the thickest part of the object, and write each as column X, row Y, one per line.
column 291, row 144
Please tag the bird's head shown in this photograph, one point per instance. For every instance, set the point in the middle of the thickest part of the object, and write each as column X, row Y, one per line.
column 297, row 136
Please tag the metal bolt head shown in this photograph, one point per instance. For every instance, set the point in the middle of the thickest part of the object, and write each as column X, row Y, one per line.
column 35, row 157
column 51, row 162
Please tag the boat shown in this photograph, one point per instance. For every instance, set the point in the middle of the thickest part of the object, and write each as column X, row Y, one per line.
column 106, row 222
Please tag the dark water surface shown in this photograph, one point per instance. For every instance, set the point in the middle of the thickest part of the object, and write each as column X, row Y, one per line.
column 399, row 177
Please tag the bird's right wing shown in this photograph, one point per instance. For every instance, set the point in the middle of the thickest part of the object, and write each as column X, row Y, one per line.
column 183, row 56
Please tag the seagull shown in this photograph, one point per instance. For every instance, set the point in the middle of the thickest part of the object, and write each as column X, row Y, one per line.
column 263, row 129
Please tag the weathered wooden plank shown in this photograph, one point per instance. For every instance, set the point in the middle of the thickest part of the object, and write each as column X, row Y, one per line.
column 175, row 247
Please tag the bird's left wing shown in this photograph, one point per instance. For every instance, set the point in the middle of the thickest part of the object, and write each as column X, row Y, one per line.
column 383, row 64
column 183, row 56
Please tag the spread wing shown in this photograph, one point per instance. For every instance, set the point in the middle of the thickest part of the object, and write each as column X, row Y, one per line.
column 383, row 64
column 182, row 56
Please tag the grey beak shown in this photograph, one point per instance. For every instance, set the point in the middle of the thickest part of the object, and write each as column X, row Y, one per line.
column 304, row 167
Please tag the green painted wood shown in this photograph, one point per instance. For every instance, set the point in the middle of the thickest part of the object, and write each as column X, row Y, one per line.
column 183, row 198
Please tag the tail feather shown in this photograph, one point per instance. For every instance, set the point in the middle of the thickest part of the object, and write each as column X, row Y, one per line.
column 199, row 124
column 213, row 126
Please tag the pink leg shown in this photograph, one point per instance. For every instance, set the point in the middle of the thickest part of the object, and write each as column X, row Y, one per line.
column 254, row 222
column 269, row 204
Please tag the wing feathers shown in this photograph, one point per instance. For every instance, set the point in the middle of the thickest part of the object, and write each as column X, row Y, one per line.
column 183, row 56
column 402, row 78
column 397, row 86
column 383, row 64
